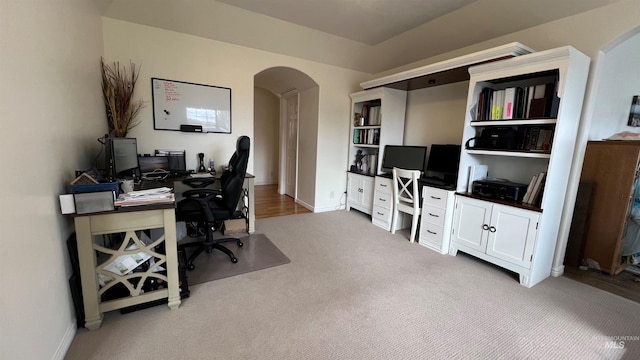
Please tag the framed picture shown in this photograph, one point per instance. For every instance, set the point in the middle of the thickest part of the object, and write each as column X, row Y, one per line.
column 634, row 113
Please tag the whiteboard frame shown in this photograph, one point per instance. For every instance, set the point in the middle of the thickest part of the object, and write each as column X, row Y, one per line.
column 224, row 92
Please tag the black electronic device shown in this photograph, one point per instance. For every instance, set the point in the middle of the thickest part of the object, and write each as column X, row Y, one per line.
column 150, row 164
column 177, row 161
column 443, row 162
column 404, row 157
column 201, row 167
column 191, row 128
column 499, row 189
column 494, row 138
column 121, row 158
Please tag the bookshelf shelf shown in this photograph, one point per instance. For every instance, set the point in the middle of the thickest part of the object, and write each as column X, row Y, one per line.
column 517, row 122
column 536, row 155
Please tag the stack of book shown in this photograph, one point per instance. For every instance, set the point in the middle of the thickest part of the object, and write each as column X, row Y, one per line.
column 533, row 195
column 163, row 195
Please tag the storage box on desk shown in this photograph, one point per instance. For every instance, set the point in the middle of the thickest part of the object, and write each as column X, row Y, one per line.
column 84, row 188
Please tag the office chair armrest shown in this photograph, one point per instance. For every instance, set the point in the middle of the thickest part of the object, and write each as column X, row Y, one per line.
column 198, row 182
column 201, row 194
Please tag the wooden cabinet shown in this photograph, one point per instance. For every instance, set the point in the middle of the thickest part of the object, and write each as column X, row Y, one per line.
column 501, row 234
column 377, row 120
column 436, row 219
column 613, row 166
column 360, row 192
column 562, row 73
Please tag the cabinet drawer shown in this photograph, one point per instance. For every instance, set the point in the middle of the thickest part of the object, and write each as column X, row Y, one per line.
column 432, row 235
column 383, row 199
column 433, row 215
column 381, row 213
column 434, row 197
column 384, row 184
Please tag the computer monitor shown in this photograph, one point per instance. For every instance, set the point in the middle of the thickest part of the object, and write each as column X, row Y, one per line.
column 444, row 159
column 121, row 155
column 149, row 164
column 404, row 157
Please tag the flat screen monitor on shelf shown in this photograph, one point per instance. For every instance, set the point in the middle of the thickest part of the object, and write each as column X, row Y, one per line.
column 443, row 161
column 404, row 157
column 121, row 155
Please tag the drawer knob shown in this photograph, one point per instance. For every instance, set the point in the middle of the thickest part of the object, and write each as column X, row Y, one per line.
column 431, row 232
column 435, row 197
column 434, row 215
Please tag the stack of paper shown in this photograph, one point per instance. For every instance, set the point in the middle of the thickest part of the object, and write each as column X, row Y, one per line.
column 163, row 195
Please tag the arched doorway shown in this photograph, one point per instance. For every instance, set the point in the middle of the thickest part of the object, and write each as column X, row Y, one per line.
column 285, row 123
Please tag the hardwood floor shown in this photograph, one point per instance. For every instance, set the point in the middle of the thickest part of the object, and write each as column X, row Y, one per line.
column 624, row 284
column 269, row 203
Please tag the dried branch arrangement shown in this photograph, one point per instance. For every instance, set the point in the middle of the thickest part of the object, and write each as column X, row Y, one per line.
column 118, row 86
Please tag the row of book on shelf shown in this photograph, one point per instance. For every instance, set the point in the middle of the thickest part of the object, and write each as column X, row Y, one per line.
column 366, row 136
column 539, row 101
column 368, row 116
column 535, row 138
column 533, row 195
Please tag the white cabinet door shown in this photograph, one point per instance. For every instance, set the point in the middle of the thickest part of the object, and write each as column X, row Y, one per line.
column 354, row 192
column 360, row 192
column 512, row 234
column 367, row 192
column 470, row 223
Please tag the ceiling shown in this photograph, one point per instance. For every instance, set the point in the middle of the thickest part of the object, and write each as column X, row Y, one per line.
column 383, row 28
column 374, row 21
column 369, row 22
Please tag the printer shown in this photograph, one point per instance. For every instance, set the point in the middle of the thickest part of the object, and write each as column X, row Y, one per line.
column 499, row 189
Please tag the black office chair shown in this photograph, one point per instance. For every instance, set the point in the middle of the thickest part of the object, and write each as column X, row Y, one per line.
column 210, row 207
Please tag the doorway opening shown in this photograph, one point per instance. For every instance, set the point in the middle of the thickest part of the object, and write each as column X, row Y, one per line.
column 285, row 131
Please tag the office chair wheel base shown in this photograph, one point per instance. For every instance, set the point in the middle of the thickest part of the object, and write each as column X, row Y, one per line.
column 191, row 267
column 234, row 260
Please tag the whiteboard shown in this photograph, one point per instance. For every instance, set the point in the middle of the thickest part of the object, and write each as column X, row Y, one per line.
column 177, row 103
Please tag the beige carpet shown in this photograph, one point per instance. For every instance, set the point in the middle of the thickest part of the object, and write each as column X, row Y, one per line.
column 257, row 253
column 354, row 291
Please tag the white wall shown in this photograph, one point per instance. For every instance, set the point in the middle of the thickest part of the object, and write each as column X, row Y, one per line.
column 436, row 115
column 266, row 140
column 618, row 80
column 176, row 56
column 52, row 113
column 307, row 147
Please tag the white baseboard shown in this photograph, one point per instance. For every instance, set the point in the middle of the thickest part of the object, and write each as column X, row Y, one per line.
column 67, row 339
column 557, row 271
column 330, row 208
column 304, row 204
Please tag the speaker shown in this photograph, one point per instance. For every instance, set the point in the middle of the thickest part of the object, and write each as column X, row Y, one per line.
column 191, row 128
column 476, row 172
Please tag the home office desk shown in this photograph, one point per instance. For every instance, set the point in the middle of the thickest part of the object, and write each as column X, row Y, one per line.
column 130, row 221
